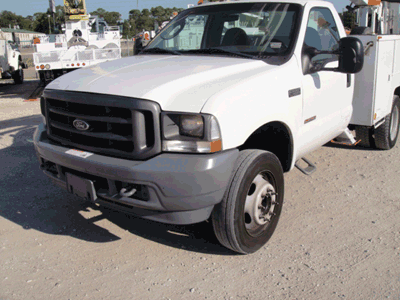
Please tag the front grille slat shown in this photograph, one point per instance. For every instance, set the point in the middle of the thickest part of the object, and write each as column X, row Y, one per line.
column 103, row 135
column 140, row 138
column 118, row 126
column 90, row 118
column 106, row 149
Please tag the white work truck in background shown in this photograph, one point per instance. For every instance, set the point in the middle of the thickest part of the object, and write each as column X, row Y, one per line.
column 11, row 64
column 205, row 120
column 375, row 116
column 86, row 41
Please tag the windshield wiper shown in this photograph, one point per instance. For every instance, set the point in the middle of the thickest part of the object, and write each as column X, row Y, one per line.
column 220, row 51
column 159, row 50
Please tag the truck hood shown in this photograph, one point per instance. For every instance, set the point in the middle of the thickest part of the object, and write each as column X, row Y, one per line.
column 177, row 83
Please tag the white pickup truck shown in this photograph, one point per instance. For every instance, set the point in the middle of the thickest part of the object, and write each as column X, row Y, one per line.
column 206, row 119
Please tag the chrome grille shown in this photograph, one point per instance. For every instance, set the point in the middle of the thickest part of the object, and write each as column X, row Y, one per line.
column 130, row 130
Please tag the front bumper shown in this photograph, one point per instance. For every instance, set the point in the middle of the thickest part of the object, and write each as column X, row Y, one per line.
column 182, row 188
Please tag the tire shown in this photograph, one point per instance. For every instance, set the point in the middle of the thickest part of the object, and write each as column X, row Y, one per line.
column 18, row 76
column 386, row 135
column 364, row 135
column 42, row 78
column 249, row 212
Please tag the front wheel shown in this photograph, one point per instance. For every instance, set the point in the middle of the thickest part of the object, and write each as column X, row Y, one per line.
column 249, row 212
column 18, row 76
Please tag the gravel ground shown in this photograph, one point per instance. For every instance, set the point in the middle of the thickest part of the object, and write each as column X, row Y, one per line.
column 338, row 237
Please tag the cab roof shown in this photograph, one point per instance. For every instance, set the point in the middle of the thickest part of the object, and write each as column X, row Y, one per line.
column 301, row 2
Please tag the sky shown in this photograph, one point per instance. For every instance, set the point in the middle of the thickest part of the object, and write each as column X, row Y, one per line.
column 29, row 7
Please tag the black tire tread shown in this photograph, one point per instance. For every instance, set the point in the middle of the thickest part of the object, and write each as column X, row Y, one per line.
column 17, row 78
column 364, row 135
column 382, row 133
column 219, row 220
column 381, row 140
column 223, row 229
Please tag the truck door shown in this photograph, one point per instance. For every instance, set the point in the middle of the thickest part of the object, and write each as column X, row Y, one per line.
column 327, row 96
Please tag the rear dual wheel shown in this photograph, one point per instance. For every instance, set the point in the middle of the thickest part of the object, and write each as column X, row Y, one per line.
column 364, row 136
column 385, row 136
column 249, row 212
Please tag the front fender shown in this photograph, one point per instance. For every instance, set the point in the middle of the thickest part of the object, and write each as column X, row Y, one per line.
column 257, row 100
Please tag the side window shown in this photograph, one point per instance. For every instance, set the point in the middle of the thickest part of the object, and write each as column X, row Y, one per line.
column 322, row 34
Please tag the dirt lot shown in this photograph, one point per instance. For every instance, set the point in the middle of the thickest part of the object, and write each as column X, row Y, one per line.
column 338, row 237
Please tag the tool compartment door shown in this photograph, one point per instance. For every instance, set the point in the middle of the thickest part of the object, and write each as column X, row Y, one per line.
column 384, row 77
column 376, row 82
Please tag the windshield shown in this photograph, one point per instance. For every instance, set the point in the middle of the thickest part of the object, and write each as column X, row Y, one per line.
column 245, row 29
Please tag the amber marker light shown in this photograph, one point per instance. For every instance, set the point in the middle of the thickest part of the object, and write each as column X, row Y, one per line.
column 216, row 146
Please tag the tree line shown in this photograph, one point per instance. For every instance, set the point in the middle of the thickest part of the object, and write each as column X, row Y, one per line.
column 49, row 23
column 349, row 19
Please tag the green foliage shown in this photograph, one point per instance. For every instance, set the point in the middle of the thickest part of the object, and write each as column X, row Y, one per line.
column 111, row 17
column 8, row 19
column 59, row 17
column 38, row 22
column 348, row 19
column 41, row 22
column 146, row 19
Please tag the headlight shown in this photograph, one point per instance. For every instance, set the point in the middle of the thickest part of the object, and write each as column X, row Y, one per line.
column 195, row 133
column 191, row 125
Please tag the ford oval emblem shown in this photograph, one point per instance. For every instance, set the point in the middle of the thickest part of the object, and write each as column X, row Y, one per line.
column 80, row 125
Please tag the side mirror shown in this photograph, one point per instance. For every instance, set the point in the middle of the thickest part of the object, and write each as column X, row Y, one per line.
column 350, row 52
column 351, row 55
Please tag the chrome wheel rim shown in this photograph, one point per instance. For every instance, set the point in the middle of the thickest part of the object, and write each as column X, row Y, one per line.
column 259, row 205
column 394, row 123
